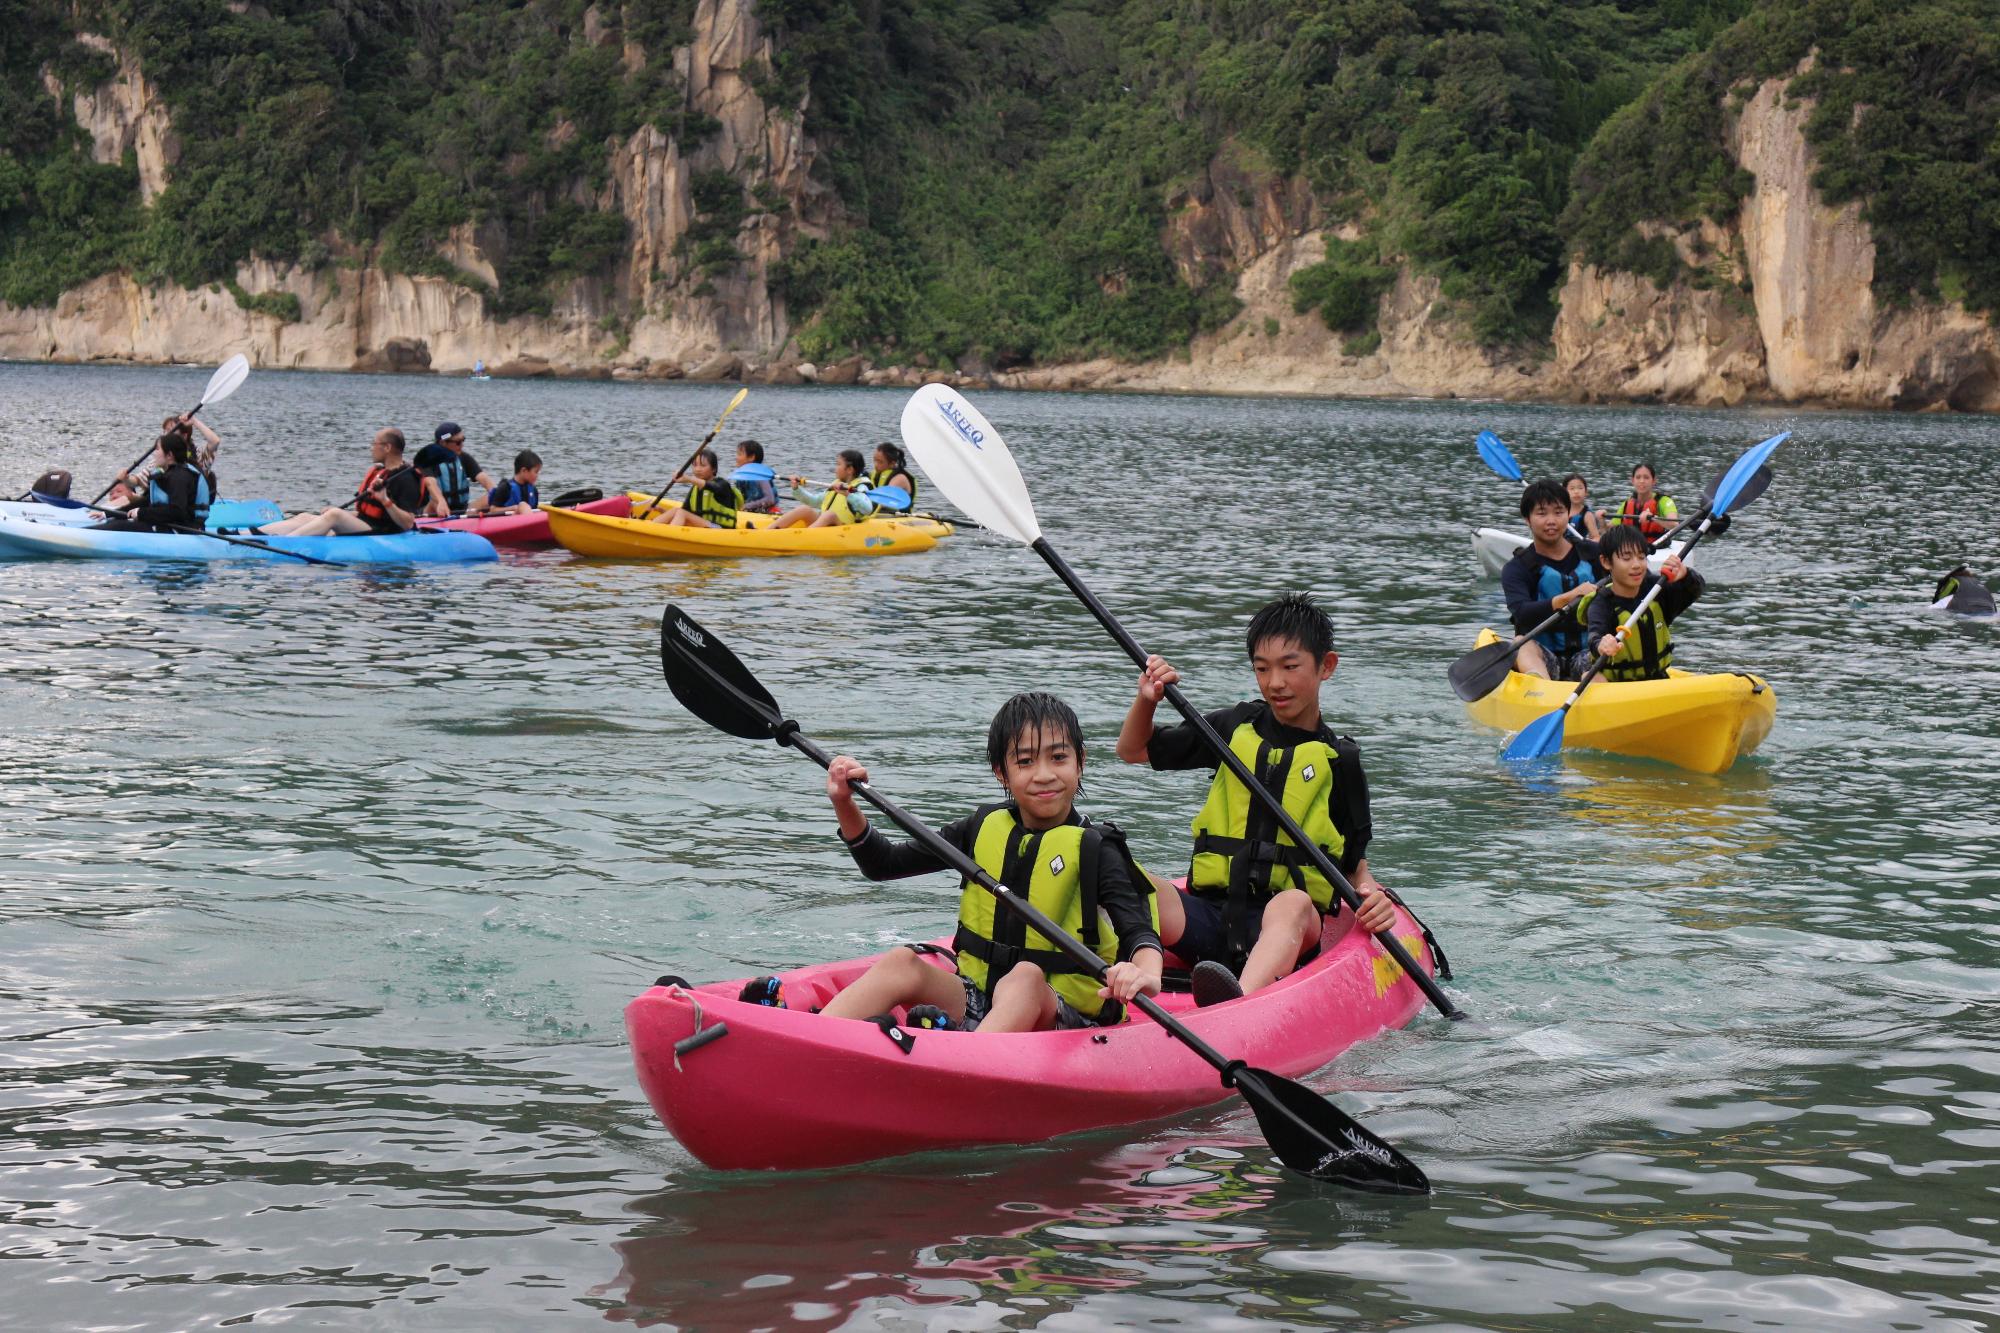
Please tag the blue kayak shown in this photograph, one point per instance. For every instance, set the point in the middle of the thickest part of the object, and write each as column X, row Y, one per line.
column 221, row 514
column 27, row 539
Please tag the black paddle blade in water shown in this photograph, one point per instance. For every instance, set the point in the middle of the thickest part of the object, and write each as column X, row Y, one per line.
column 710, row 683
column 1315, row 1138
column 1482, row 671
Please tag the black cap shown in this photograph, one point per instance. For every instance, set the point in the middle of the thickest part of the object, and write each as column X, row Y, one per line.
column 446, row 431
column 53, row 482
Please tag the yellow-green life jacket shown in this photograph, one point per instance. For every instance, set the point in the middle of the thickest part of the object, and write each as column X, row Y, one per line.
column 1647, row 651
column 883, row 476
column 717, row 501
column 1240, row 854
column 1056, row 869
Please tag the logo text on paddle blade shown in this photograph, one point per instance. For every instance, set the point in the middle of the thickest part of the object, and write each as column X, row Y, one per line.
column 690, row 633
column 961, row 424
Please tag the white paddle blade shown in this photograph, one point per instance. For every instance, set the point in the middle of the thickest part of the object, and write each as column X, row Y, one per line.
column 964, row 457
column 227, row 379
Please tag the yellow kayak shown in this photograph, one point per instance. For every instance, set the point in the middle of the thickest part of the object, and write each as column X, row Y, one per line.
column 1699, row 722
column 636, row 539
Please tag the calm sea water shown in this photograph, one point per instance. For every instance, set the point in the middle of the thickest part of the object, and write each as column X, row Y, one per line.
column 323, row 890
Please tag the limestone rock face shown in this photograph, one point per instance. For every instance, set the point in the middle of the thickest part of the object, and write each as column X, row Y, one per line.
column 125, row 114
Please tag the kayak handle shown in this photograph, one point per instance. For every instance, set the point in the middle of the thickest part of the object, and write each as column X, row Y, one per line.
column 694, row 1041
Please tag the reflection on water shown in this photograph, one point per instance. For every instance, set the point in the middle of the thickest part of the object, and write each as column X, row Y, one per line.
column 325, row 890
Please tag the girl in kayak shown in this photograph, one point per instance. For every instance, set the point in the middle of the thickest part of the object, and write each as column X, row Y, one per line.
column 1584, row 522
column 1253, row 906
column 173, row 495
column 1010, row 979
column 387, row 501
column 1647, row 650
column 1646, row 507
column 711, row 502
column 843, row 502
column 891, row 470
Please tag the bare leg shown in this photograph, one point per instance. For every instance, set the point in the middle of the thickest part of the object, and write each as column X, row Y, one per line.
column 900, row 978
column 831, row 519
column 1022, row 1002
column 1173, row 916
column 1291, row 926
column 1530, row 662
column 796, row 515
column 682, row 518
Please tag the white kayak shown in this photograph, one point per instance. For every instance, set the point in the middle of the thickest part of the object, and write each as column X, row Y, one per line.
column 1494, row 547
column 221, row 514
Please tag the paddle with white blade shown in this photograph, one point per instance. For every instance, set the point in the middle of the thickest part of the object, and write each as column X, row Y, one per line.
column 1310, row 1134
column 1544, row 736
column 227, row 379
column 653, row 505
column 964, row 456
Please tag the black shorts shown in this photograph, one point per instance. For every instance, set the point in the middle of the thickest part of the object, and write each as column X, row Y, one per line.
column 1205, row 938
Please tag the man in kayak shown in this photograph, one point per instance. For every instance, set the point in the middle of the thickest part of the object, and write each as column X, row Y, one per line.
column 843, row 502
column 455, row 471
column 519, row 494
column 387, row 501
column 1548, row 575
column 1648, row 649
column 711, row 502
column 1008, row 978
column 1253, row 907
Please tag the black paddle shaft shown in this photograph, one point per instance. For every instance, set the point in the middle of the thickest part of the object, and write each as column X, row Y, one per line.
column 1258, row 791
column 1070, row 947
column 233, row 541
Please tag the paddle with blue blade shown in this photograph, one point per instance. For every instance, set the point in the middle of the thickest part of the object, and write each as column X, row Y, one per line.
column 680, row 473
column 1498, row 456
column 1309, row 1133
column 227, row 379
column 1760, row 481
column 1544, row 736
column 964, row 456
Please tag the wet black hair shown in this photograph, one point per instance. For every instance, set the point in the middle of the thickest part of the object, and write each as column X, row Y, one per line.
column 853, row 459
column 1543, row 491
column 707, row 456
column 1296, row 617
column 176, row 446
column 1621, row 536
column 752, row 448
column 1030, row 715
column 527, row 458
column 1642, row 463
column 894, row 453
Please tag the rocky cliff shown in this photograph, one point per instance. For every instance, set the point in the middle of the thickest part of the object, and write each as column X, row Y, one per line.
column 1776, row 305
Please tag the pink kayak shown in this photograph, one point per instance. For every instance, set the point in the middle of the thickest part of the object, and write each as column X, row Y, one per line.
column 529, row 529
column 785, row 1089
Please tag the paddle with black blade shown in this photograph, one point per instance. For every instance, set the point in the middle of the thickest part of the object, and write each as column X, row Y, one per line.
column 1544, row 736
column 964, row 457
column 227, row 379
column 1484, row 670
column 1310, row 1134
column 216, row 536
column 653, row 505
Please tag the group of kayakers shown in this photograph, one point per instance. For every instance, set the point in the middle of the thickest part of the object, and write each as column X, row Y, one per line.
column 856, row 492
column 1254, row 906
column 442, row 481
column 1596, row 583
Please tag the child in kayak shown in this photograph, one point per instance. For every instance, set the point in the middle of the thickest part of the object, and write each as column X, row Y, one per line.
column 1648, row 650
column 1550, row 574
column 1253, row 905
column 711, row 502
column 518, row 494
column 843, row 502
column 174, row 495
column 892, row 470
column 1584, row 522
column 755, row 479
column 1009, row 978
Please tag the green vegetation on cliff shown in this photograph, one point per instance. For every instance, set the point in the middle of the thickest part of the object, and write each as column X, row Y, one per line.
column 1018, row 179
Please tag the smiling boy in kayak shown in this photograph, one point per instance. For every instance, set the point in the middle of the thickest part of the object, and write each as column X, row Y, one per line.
column 1550, row 574
column 1647, row 650
column 1009, row 978
column 1254, row 901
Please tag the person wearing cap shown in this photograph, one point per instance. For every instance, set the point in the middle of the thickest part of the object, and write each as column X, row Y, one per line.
column 445, row 461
